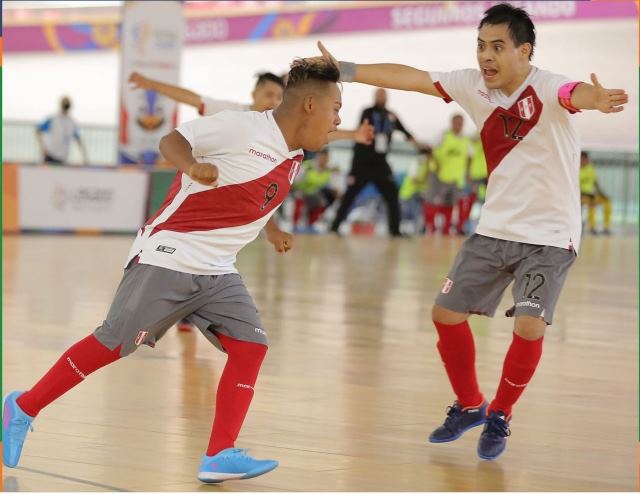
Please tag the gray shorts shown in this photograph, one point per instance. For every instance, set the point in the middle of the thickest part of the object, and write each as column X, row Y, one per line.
column 485, row 267
column 151, row 299
column 442, row 193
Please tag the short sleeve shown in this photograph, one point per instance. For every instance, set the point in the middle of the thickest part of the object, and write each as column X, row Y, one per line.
column 44, row 126
column 457, row 85
column 209, row 135
column 209, row 106
column 550, row 85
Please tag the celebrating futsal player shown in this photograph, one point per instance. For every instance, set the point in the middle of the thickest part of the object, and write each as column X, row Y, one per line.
column 234, row 171
column 530, row 225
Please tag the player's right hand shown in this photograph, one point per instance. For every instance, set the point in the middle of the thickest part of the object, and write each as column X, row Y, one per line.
column 139, row 81
column 204, row 173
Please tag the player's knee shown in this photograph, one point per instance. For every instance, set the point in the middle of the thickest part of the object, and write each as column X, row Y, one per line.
column 530, row 327
column 445, row 316
column 246, row 351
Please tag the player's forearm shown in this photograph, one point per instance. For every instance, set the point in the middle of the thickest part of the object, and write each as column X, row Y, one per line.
column 271, row 226
column 395, row 76
column 584, row 96
column 177, row 151
column 176, row 93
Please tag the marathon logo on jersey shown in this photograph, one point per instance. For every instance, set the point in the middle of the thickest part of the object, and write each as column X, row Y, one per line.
column 260, row 154
column 526, row 108
column 486, row 96
column 166, row 249
column 295, row 168
column 142, row 334
column 446, row 287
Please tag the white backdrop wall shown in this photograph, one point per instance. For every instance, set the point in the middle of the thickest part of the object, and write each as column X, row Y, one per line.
column 32, row 84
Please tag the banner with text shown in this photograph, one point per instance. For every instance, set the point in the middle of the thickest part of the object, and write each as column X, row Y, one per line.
column 402, row 16
column 66, row 198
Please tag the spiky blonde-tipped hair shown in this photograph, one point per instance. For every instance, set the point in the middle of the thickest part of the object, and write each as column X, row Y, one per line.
column 315, row 70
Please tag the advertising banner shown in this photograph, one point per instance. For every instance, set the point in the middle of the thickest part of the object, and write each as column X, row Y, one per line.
column 152, row 35
column 66, row 198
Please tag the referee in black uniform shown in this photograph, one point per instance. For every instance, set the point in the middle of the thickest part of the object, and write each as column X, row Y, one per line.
column 370, row 164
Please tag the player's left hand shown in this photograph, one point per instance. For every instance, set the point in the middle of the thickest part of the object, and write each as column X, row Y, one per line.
column 608, row 100
column 365, row 133
column 282, row 241
column 327, row 55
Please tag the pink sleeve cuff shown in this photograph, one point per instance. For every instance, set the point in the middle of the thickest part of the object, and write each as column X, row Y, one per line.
column 564, row 96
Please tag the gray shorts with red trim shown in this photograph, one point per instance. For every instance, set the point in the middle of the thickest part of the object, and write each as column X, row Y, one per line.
column 151, row 299
column 485, row 267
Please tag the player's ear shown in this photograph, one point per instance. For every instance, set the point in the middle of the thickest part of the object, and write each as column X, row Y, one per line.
column 308, row 104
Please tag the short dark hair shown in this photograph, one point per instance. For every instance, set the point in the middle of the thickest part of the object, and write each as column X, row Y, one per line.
column 584, row 154
column 521, row 27
column 263, row 77
column 305, row 70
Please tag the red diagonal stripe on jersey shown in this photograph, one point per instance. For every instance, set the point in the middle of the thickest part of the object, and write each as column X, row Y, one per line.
column 502, row 125
column 232, row 205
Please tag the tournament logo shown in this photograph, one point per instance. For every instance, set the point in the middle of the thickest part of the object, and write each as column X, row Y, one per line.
column 295, row 168
column 526, row 108
column 446, row 287
column 142, row 334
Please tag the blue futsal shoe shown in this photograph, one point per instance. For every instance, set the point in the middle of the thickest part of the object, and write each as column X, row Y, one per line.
column 458, row 421
column 232, row 464
column 493, row 439
column 15, row 426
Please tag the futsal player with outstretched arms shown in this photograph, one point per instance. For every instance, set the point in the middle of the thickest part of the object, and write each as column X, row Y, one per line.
column 530, row 225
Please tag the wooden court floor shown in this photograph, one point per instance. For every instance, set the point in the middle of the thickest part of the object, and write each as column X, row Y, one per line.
column 352, row 384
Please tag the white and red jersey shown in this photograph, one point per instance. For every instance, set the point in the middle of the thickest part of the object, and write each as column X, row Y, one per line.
column 209, row 106
column 200, row 229
column 533, row 157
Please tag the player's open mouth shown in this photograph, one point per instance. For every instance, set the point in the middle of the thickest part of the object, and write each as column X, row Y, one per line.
column 489, row 73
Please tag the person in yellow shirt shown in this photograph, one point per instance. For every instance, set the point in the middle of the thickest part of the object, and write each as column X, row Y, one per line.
column 451, row 158
column 414, row 186
column 592, row 195
column 476, row 182
column 313, row 191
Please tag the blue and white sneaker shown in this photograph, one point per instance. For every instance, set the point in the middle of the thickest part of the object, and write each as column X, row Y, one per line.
column 458, row 421
column 232, row 464
column 15, row 426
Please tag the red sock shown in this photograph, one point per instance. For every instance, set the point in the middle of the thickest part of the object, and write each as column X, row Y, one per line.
column 519, row 366
column 429, row 212
column 314, row 214
column 297, row 210
column 458, row 353
column 79, row 361
column 447, row 211
column 235, row 391
column 464, row 210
